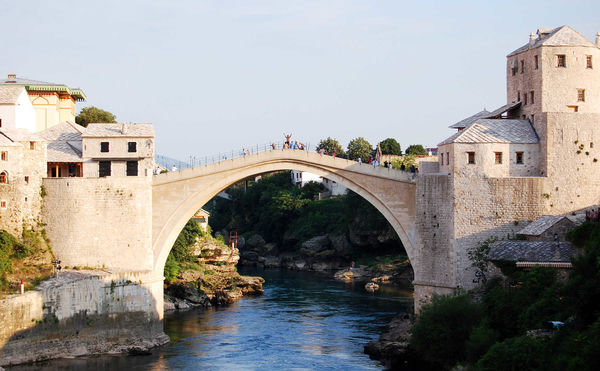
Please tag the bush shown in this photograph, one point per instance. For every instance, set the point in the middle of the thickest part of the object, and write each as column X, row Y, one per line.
column 443, row 327
column 481, row 339
column 520, row 353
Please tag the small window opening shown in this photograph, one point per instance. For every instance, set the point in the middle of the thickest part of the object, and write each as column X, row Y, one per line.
column 522, row 66
column 581, row 95
column 588, row 61
column 132, row 168
column 518, row 96
column 103, row 168
column 535, row 62
column 447, row 158
column 3, row 204
column 524, row 99
column 471, row 157
column 519, row 158
column 32, row 145
column 531, row 95
column 4, row 155
column 533, row 119
column 131, row 147
column 103, row 146
column 26, row 179
column 4, row 177
column 442, row 159
column 561, row 60
column 573, row 108
column 498, row 157
column 591, row 144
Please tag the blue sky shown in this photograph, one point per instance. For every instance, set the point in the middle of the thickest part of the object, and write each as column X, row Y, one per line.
column 222, row 75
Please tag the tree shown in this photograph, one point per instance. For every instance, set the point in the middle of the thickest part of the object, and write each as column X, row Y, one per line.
column 390, row 146
column 416, row 149
column 94, row 114
column 331, row 145
column 359, row 147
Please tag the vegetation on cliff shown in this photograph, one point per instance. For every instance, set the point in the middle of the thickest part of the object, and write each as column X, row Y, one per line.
column 501, row 331
column 28, row 259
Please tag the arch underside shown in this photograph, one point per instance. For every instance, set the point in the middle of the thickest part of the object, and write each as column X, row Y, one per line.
column 193, row 193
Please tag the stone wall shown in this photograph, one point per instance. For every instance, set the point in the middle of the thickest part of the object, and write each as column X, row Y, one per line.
column 78, row 313
column 96, row 222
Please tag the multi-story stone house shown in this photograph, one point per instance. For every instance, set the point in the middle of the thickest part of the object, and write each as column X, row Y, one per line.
column 537, row 155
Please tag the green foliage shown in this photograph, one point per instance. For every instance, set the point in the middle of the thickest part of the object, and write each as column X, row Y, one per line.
column 442, row 328
column 481, row 339
column 390, row 146
column 416, row 149
column 43, row 192
column 180, row 254
column 520, row 353
column 330, row 146
column 92, row 114
column 478, row 254
column 359, row 147
column 10, row 249
column 172, row 268
column 406, row 160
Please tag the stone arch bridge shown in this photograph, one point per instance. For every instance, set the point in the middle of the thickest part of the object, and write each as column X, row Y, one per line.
column 176, row 196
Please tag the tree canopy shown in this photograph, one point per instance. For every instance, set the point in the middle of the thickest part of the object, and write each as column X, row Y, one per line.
column 416, row 149
column 94, row 114
column 359, row 147
column 390, row 146
column 331, row 145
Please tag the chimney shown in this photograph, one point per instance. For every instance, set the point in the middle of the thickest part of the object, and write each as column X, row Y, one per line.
column 598, row 39
column 531, row 39
column 123, row 128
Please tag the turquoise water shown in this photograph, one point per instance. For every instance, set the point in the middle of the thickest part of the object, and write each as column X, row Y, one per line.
column 303, row 321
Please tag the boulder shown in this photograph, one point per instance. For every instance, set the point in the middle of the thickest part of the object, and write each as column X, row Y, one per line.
column 187, row 292
column 325, row 254
column 182, row 305
column 241, row 242
column 250, row 256
column 268, row 248
column 299, row 265
column 392, row 346
column 255, row 242
column 320, row 267
column 314, row 245
column 382, row 279
column 344, row 275
column 168, row 306
column 341, row 245
column 371, row 287
column 272, row 262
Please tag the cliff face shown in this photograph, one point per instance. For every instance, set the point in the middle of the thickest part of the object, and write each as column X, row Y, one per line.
column 212, row 280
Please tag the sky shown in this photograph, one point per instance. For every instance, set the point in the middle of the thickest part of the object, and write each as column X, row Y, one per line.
column 217, row 76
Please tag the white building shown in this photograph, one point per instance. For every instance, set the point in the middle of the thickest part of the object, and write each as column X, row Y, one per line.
column 16, row 110
column 302, row 177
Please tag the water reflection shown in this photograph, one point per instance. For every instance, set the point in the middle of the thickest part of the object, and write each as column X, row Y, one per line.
column 302, row 322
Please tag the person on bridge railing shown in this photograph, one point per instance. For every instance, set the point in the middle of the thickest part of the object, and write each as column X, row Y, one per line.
column 287, row 140
column 273, row 145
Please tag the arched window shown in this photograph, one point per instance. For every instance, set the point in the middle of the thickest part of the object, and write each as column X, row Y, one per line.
column 4, row 177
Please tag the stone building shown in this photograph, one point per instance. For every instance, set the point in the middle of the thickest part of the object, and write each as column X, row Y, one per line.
column 53, row 103
column 16, row 110
column 533, row 156
column 22, row 166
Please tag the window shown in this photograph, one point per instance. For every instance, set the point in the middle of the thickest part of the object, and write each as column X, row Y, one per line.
column 498, row 157
column 573, row 108
column 535, row 62
column 515, row 66
column 581, row 95
column 32, row 145
column 522, row 66
column 132, row 168
column 533, row 119
column 131, row 147
column 561, row 60
column 519, row 157
column 447, row 158
column 588, row 61
column 518, row 96
column 4, row 177
column 471, row 157
column 442, row 159
column 103, row 146
column 27, row 179
column 531, row 97
column 103, row 168
column 524, row 99
column 3, row 204
column 4, row 155
column 0, row 123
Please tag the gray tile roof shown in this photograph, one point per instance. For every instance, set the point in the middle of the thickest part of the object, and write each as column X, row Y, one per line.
column 98, row 130
column 531, row 251
column 43, row 85
column 10, row 94
column 469, row 120
column 495, row 131
column 560, row 36
column 64, row 142
column 541, row 225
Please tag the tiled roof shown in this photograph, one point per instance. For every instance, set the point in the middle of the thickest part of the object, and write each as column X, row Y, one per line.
column 496, row 131
column 541, row 225
column 469, row 120
column 484, row 115
column 7, row 142
column 531, row 251
column 560, row 36
column 43, row 85
column 21, row 135
column 64, row 142
column 10, row 94
column 118, row 130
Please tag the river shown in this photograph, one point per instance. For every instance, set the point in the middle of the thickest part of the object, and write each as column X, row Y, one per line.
column 303, row 321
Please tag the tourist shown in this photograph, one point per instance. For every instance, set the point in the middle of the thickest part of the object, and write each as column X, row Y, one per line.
column 157, row 170
column 402, row 167
column 359, row 160
column 273, row 145
column 333, row 154
column 174, row 168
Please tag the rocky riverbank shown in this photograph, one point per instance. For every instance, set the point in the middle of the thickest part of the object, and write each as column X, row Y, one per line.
column 212, row 279
column 392, row 349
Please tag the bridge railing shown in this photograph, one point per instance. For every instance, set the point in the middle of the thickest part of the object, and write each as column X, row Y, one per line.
column 194, row 161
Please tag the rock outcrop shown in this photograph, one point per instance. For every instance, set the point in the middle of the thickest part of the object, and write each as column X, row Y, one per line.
column 392, row 348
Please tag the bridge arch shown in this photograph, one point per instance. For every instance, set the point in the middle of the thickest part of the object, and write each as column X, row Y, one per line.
column 178, row 195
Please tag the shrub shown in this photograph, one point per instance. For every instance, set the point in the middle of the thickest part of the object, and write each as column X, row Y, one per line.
column 520, row 353
column 481, row 339
column 442, row 328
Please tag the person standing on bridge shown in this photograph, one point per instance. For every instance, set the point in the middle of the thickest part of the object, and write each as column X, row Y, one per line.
column 287, row 140
column 360, row 161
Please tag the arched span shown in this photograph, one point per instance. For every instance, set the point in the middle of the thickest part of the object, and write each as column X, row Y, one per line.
column 178, row 195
